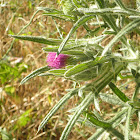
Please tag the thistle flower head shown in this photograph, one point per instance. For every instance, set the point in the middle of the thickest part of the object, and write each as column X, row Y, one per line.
column 56, row 61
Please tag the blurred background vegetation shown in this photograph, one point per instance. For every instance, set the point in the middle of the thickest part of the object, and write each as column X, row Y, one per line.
column 22, row 107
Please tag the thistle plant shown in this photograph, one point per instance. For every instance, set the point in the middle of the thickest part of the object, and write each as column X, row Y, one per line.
column 94, row 64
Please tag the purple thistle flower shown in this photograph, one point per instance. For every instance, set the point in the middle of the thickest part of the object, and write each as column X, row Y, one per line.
column 56, row 62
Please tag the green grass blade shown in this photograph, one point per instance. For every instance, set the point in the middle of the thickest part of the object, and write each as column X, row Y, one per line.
column 56, row 107
column 119, row 93
column 35, row 73
column 80, row 22
column 88, row 99
column 39, row 39
column 132, row 25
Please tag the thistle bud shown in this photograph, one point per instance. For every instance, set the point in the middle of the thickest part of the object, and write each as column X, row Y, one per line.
column 55, row 61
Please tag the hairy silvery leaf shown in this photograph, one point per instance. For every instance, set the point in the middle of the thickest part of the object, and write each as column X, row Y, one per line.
column 111, row 99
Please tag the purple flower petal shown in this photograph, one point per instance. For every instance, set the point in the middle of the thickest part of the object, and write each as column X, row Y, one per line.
column 56, row 62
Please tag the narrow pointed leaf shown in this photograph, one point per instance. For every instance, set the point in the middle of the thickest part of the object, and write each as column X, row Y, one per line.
column 127, row 125
column 88, row 99
column 132, row 25
column 56, row 72
column 119, row 93
column 106, row 11
column 60, row 16
column 105, row 125
column 80, row 22
column 84, row 66
column 48, row 10
column 61, row 71
column 38, row 39
column 111, row 99
column 132, row 10
column 55, row 13
column 91, row 117
column 96, row 87
column 96, row 103
column 35, row 73
column 115, row 121
column 108, row 18
column 56, row 107
column 79, row 44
